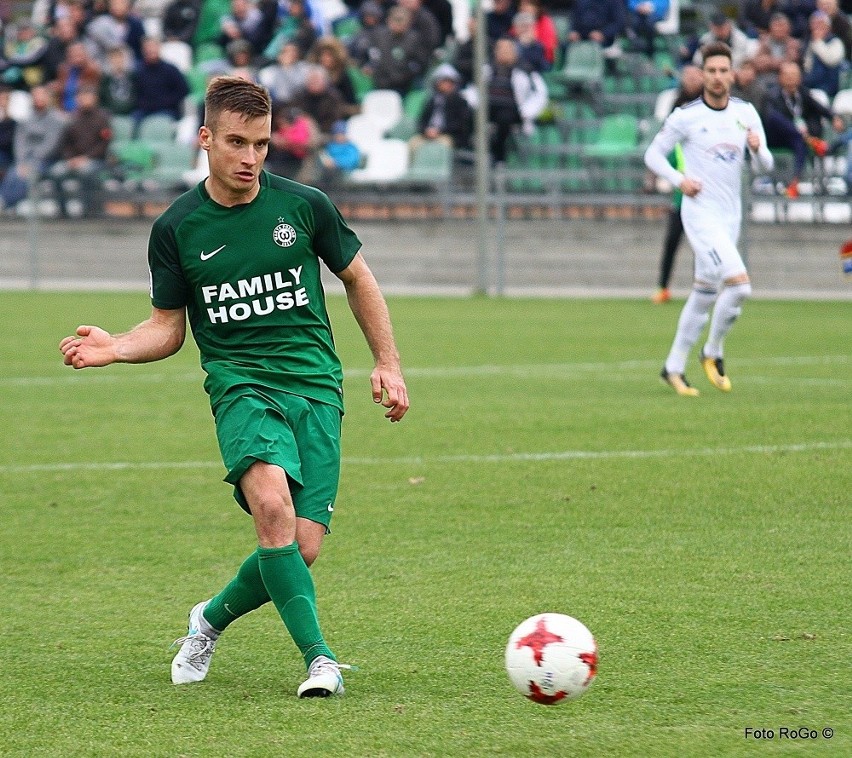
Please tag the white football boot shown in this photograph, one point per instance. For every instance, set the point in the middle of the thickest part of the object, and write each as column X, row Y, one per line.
column 324, row 678
column 196, row 649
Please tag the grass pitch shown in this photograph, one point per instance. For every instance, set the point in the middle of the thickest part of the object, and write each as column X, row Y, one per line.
column 543, row 466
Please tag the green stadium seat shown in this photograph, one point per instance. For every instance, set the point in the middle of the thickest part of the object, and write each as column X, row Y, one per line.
column 171, row 161
column 431, row 163
column 413, row 102
column 197, row 78
column 208, row 51
column 361, row 82
column 122, row 127
column 618, row 136
column 563, row 29
column 346, row 28
column 403, row 129
column 584, row 67
column 157, row 128
column 134, row 158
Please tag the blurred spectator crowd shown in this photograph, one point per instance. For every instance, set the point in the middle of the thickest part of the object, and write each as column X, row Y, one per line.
column 96, row 95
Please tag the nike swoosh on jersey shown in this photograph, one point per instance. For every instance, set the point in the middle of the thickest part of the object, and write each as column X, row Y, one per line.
column 205, row 256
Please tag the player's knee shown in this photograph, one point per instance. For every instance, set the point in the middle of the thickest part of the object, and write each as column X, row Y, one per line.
column 274, row 518
column 703, row 296
column 741, row 291
column 706, row 288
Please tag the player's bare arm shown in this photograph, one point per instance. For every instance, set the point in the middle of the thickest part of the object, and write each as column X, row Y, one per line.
column 371, row 312
column 158, row 337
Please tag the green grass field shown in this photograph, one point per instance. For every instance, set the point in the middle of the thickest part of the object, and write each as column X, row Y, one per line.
column 543, row 466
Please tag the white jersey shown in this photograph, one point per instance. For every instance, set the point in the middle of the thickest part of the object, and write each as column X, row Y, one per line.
column 714, row 149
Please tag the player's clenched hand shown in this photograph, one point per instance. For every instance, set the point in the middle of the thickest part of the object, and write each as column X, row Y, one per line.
column 389, row 389
column 753, row 140
column 91, row 347
column 690, row 187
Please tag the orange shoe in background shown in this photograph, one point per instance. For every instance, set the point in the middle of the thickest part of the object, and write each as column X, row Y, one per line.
column 819, row 146
column 792, row 190
column 662, row 295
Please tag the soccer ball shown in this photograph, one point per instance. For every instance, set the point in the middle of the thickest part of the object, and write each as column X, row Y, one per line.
column 551, row 658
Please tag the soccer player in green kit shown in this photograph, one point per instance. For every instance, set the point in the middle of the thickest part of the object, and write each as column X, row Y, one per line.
column 239, row 257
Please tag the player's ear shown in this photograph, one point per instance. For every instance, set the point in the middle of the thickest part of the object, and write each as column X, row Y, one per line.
column 204, row 137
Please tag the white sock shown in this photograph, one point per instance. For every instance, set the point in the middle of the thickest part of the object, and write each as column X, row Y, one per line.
column 727, row 311
column 693, row 317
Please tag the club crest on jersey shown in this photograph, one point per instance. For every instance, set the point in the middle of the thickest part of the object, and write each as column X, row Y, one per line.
column 726, row 153
column 283, row 234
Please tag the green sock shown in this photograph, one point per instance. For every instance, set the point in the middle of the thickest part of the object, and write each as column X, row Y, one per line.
column 245, row 592
column 291, row 588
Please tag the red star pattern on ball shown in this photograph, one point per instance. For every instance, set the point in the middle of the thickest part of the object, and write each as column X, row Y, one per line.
column 538, row 640
column 591, row 660
column 535, row 694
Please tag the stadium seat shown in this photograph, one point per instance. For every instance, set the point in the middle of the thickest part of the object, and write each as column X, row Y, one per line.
column 383, row 107
column 134, row 158
column 670, row 23
column 405, row 129
column 584, row 67
column 20, row 105
column 172, row 161
column 664, row 60
column 177, row 53
column 332, row 12
column 540, row 151
column 821, row 97
column 208, row 51
column 431, row 164
column 122, row 127
column 386, row 163
column 562, row 23
column 186, row 130
column 618, row 136
column 197, row 79
column 664, row 102
column 157, row 128
column 360, row 81
column 363, row 132
column 199, row 171
column 648, row 129
column 413, row 102
column 842, row 103
column 346, row 28
column 613, row 158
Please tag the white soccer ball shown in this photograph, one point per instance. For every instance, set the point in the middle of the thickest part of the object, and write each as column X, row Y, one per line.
column 551, row 658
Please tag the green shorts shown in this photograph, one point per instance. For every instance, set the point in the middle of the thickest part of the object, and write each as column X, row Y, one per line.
column 301, row 436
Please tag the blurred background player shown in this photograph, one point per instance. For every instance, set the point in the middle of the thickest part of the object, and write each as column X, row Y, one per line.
column 716, row 133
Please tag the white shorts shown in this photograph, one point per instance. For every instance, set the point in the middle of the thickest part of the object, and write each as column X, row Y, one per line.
column 715, row 250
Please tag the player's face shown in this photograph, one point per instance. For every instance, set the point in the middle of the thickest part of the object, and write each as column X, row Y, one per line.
column 718, row 77
column 236, row 149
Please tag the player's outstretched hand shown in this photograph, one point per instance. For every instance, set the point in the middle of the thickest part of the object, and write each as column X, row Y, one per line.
column 91, row 347
column 389, row 389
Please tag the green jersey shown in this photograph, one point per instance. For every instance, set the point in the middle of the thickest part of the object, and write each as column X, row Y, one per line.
column 249, row 277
